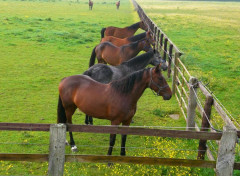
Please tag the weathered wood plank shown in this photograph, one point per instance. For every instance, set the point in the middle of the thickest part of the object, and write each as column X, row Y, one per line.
column 226, row 152
column 165, row 49
column 204, row 90
column 182, row 99
column 105, row 159
column 57, row 149
column 205, row 125
column 23, row 157
column 182, row 87
column 170, row 60
column 192, row 104
column 179, row 103
column 223, row 114
column 145, row 132
column 183, row 66
column 24, row 126
column 175, row 72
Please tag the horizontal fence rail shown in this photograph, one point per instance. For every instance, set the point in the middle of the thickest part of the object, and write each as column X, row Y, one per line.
column 117, row 130
column 114, row 159
column 107, row 159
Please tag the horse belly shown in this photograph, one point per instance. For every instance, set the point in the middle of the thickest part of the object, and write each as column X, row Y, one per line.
column 91, row 103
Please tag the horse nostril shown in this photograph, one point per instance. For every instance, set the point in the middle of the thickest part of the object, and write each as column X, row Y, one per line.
column 167, row 97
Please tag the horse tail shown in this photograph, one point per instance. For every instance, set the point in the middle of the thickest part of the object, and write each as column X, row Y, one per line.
column 102, row 32
column 92, row 58
column 61, row 115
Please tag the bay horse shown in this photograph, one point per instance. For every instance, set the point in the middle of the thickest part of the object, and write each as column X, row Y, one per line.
column 90, row 3
column 118, row 4
column 120, row 42
column 106, row 52
column 115, row 101
column 123, row 32
column 106, row 73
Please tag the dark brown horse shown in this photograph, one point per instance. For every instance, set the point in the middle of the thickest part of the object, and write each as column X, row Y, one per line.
column 90, row 3
column 120, row 42
column 123, row 32
column 115, row 101
column 106, row 52
column 118, row 4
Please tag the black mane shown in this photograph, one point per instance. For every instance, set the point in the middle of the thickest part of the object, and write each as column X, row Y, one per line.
column 137, row 37
column 134, row 26
column 132, row 45
column 126, row 84
column 139, row 59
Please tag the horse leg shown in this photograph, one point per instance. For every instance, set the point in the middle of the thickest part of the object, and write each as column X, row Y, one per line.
column 124, row 138
column 86, row 119
column 69, row 113
column 123, row 149
column 112, row 142
column 90, row 120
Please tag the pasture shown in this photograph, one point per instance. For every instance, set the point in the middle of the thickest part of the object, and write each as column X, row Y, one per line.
column 42, row 42
column 208, row 35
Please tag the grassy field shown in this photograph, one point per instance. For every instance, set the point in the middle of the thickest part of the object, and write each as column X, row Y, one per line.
column 208, row 33
column 42, row 42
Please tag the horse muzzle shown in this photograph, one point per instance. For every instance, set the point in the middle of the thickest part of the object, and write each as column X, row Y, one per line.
column 167, row 97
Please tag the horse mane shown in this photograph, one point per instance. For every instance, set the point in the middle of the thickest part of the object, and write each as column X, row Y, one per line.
column 132, row 45
column 126, row 84
column 137, row 37
column 134, row 26
column 138, row 59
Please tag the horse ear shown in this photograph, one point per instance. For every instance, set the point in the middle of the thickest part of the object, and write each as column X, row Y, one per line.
column 158, row 68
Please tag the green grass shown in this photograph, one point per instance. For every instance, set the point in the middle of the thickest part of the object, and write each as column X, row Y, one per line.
column 207, row 32
column 42, row 42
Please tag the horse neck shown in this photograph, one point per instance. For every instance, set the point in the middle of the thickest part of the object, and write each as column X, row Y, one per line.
column 140, row 87
column 138, row 62
column 134, row 27
column 137, row 37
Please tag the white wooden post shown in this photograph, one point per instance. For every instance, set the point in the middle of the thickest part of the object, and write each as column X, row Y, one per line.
column 57, row 149
column 192, row 103
column 226, row 152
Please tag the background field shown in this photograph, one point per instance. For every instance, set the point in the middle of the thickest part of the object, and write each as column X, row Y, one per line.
column 42, row 42
column 208, row 32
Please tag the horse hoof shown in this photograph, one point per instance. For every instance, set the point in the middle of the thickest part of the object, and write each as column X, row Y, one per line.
column 74, row 148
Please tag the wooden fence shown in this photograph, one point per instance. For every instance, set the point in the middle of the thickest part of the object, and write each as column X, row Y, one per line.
column 57, row 156
column 185, row 87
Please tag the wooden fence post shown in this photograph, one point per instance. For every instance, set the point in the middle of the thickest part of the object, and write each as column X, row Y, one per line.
column 165, row 49
column 205, row 125
column 57, row 149
column 192, row 103
column 174, row 78
column 170, row 60
column 226, row 152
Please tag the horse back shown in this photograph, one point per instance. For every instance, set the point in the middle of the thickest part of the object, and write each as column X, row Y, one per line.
column 116, row 41
column 118, row 32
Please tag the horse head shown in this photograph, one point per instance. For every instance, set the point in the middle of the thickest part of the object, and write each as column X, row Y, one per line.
column 158, row 60
column 159, row 84
column 143, row 26
column 146, row 45
column 149, row 36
